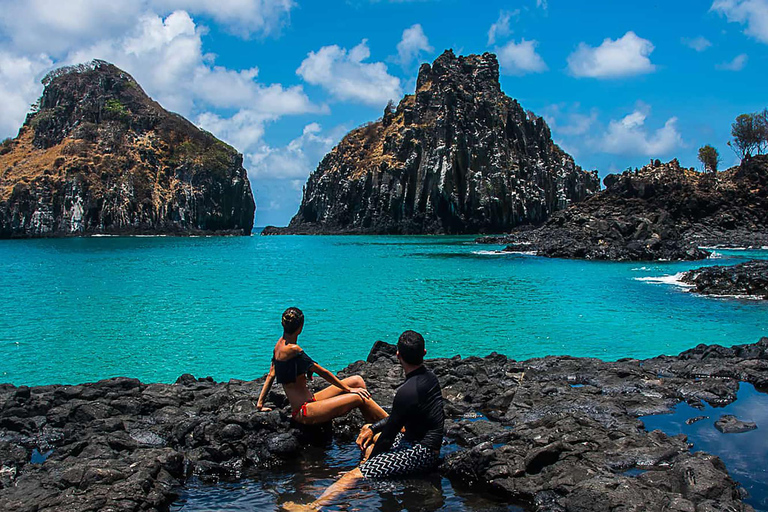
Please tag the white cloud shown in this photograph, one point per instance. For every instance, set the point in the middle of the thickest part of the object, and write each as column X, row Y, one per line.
column 752, row 13
column 737, row 64
column 296, row 160
column 541, row 4
column 629, row 136
column 501, row 29
column 242, row 17
column 413, row 42
column 626, row 56
column 565, row 121
column 343, row 73
column 166, row 57
column 520, row 58
column 699, row 43
column 57, row 27
column 19, row 87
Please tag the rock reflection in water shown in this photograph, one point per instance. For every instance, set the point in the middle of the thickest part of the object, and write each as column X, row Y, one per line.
column 305, row 479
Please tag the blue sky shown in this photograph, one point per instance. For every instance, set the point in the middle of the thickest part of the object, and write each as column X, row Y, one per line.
column 284, row 80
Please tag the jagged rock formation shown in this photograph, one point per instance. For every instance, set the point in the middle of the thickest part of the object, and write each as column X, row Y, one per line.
column 100, row 156
column 553, row 433
column 458, row 156
column 748, row 279
column 660, row 212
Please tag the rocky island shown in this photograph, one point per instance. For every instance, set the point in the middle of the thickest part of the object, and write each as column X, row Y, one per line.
column 547, row 434
column 458, row 156
column 662, row 211
column 99, row 156
column 749, row 280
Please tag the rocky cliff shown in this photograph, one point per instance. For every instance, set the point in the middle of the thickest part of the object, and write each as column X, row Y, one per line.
column 458, row 156
column 100, row 156
column 660, row 212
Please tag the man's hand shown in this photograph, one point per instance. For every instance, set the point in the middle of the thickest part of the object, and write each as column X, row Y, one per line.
column 365, row 438
column 261, row 408
column 362, row 392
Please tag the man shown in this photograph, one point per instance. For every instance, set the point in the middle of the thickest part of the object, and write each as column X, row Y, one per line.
column 407, row 441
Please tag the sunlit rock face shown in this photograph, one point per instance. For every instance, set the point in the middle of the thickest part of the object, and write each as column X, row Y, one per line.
column 458, row 156
column 99, row 156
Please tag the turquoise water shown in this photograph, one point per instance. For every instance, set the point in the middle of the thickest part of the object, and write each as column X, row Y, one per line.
column 75, row 310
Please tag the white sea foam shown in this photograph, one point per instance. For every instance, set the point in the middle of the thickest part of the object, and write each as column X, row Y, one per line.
column 101, row 235
column 673, row 279
column 715, row 256
column 640, row 268
column 503, row 253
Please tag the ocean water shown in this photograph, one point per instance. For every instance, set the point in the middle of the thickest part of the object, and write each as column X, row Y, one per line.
column 83, row 309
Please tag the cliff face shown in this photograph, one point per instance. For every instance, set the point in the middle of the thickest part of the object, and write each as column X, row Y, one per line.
column 99, row 156
column 458, row 156
column 659, row 212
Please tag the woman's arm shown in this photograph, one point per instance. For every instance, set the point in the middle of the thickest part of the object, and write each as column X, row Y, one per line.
column 265, row 389
column 334, row 380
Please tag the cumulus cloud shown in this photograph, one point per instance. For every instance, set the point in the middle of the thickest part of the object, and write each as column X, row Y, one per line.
column 299, row 158
column 626, row 56
column 343, row 74
column 699, row 43
column 737, row 64
column 501, row 28
column 567, row 121
column 413, row 42
column 166, row 57
column 56, row 28
column 629, row 136
column 520, row 58
column 245, row 18
column 752, row 13
column 541, row 4
column 19, row 87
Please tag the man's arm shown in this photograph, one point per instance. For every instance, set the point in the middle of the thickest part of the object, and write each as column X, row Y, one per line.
column 391, row 425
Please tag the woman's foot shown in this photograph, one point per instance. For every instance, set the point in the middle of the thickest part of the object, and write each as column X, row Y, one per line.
column 291, row 506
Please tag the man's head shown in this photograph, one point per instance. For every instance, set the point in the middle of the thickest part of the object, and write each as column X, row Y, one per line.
column 410, row 348
column 293, row 321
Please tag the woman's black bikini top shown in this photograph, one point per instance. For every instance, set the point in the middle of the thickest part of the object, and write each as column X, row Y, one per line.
column 287, row 371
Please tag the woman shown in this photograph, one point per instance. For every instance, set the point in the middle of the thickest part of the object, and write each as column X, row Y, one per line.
column 292, row 367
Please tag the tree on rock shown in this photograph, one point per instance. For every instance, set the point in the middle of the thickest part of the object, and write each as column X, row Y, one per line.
column 750, row 134
column 709, row 157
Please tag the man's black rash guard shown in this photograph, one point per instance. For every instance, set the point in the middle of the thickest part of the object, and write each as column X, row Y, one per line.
column 418, row 406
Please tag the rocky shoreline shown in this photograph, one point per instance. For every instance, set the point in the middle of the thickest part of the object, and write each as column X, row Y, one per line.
column 553, row 433
column 661, row 212
column 749, row 279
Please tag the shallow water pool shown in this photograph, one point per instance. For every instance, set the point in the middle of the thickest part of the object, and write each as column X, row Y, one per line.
column 303, row 480
column 745, row 455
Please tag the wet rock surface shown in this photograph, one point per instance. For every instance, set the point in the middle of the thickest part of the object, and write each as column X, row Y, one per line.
column 99, row 156
column 660, row 212
column 457, row 156
column 729, row 424
column 554, row 433
column 748, row 279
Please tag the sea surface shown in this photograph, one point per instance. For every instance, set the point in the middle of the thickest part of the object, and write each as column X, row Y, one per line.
column 82, row 309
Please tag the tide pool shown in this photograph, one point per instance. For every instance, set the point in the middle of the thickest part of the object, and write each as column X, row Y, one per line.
column 84, row 309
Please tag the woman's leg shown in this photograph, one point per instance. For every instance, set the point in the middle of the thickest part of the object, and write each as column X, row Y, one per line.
column 324, row 411
column 355, row 381
column 370, row 409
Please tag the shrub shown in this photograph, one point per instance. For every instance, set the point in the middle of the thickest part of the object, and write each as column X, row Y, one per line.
column 113, row 109
column 709, row 157
column 6, row 146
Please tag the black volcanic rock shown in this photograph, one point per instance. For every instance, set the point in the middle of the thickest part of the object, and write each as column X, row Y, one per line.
column 458, row 156
column 100, row 156
column 730, row 424
column 521, row 430
column 748, row 279
column 659, row 212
